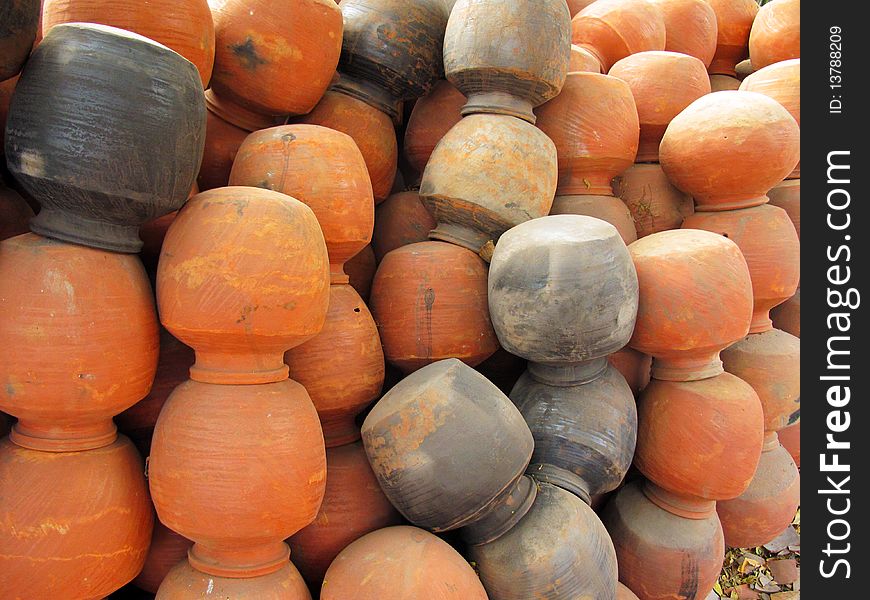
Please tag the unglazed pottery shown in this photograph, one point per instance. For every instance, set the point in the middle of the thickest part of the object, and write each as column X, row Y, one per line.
column 614, row 29
column 635, row 367
column 724, row 83
column 606, row 208
column 690, row 28
column 184, row 582
column 167, row 549
column 432, row 117
column 20, row 20
column 575, row 6
column 790, row 438
column 653, row 202
column 361, row 272
column 400, row 220
column 776, row 33
column 733, row 21
column 623, row 593
column 787, row 196
column 787, row 316
column 582, row 59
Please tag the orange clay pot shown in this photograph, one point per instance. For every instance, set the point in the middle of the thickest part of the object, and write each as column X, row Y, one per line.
column 65, row 368
column 353, row 506
column 663, row 84
column 433, row 116
column 686, row 440
column 371, row 129
column 322, row 168
column 768, row 505
column 184, row 582
column 776, row 33
column 185, row 26
column 733, row 21
column 724, row 83
column 594, row 125
column 275, row 58
column 15, row 213
column 361, row 272
column 583, row 60
column 606, row 208
column 401, row 562
column 167, row 550
column 224, row 461
column 623, row 593
column 400, row 221
column 6, row 89
column 614, row 29
column 73, row 524
column 771, row 363
column 790, row 438
column 787, row 316
column 653, row 202
column 787, row 196
column 429, row 301
column 769, row 242
column 575, row 6
column 690, row 28
column 782, row 82
column 241, row 319
column 635, row 367
column 729, row 148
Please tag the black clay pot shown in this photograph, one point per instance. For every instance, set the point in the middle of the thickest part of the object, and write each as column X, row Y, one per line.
column 19, row 20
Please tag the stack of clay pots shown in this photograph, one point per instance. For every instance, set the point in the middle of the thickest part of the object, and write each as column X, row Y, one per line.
column 105, row 131
column 734, row 20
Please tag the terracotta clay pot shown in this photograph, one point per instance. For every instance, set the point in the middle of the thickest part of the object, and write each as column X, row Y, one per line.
column 15, row 213
column 733, row 21
column 729, row 148
column 86, row 105
column 508, row 75
column 167, row 550
column 560, row 549
column 606, row 208
column 470, row 182
column 653, row 202
column 635, row 367
column 429, row 301
column 83, row 543
column 184, row 582
column 371, row 129
column 790, row 438
column 770, row 363
column 776, row 33
column 768, row 505
column 663, row 85
column 400, row 220
column 353, row 506
column 224, row 461
column 769, row 242
column 241, row 320
column 594, row 125
column 623, row 593
column 724, row 83
column 6, row 89
column 67, row 371
column 275, row 58
column 787, row 316
column 433, row 116
column 662, row 555
column 583, row 60
column 614, row 29
column 575, row 6
column 695, row 300
column 690, row 28
column 415, row 433
column 401, row 562
column 361, row 272
column 787, row 196
column 20, row 18
column 391, row 50
column 185, row 26
column 503, row 369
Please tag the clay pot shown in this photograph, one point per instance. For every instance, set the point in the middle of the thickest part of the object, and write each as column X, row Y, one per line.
column 275, row 58
column 560, row 549
column 770, row 363
column 15, row 213
column 695, row 300
column 429, row 301
column 67, row 371
column 184, row 582
column 361, row 272
column 400, row 220
column 733, row 20
column 790, row 438
column 6, row 89
column 769, row 242
column 507, row 74
column 744, row 69
column 724, row 83
column 322, row 168
column 433, row 116
column 371, row 129
column 353, row 506
column 167, row 550
column 575, row 6
column 690, row 28
column 623, row 593
column 782, row 82
column 471, row 185
column 224, row 461
column 729, row 148
column 787, row 196
column 503, row 369
column 185, row 26
column 776, row 33
column 582, row 60
column 606, row 208
column 614, row 29
column 663, row 85
column 662, row 555
column 634, row 367
column 686, row 437
column 594, row 125
column 415, row 433
column 653, row 202
column 787, row 316
column 401, row 562
column 768, row 505
column 391, row 50
column 241, row 318
column 85, row 542
column 20, row 18
column 85, row 108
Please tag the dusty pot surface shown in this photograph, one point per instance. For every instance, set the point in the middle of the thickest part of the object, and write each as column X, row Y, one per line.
column 606, row 208
column 614, row 29
column 583, row 60
column 623, row 593
column 432, row 117
column 184, row 582
column 634, row 366
column 690, row 28
column 20, row 20
column 400, row 220
column 787, row 316
column 167, row 549
column 595, row 128
column 776, row 33
column 85, row 111
column 729, row 148
column 654, row 203
column 787, row 196
column 733, row 21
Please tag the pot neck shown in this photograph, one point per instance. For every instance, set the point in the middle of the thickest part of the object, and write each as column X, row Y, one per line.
column 502, row 513
column 570, row 374
column 239, row 116
column 681, row 506
column 370, row 93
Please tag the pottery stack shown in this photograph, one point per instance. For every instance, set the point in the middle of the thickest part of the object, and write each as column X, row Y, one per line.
column 105, row 130
column 734, row 19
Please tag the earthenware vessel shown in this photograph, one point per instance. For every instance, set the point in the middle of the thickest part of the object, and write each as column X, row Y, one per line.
column 183, row 581
column 400, row 220
column 432, row 117
column 653, row 202
column 690, row 28
column 776, row 33
column 614, row 29
column 606, row 208
column 733, row 22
